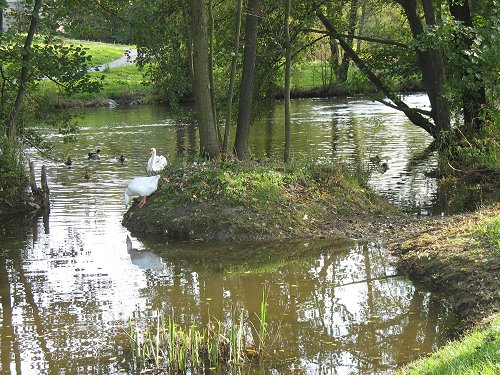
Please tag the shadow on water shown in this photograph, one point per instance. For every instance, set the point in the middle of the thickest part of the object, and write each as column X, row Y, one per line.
column 69, row 283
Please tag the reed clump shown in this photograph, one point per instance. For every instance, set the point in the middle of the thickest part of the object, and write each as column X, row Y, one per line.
column 173, row 348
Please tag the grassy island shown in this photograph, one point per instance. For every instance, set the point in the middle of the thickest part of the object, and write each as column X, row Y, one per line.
column 259, row 200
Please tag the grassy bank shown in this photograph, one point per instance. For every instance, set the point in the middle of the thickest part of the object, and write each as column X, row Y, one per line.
column 250, row 201
column 477, row 353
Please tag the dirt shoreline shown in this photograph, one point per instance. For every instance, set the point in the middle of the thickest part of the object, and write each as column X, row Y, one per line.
column 447, row 257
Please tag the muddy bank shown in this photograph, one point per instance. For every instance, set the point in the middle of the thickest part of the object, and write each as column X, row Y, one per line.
column 449, row 256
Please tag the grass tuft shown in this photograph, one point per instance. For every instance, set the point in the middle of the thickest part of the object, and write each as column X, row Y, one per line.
column 477, row 353
column 173, row 348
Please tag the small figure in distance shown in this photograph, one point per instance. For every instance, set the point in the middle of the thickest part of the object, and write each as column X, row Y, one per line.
column 69, row 162
column 120, row 159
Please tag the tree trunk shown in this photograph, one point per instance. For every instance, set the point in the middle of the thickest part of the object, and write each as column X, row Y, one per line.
column 473, row 98
column 211, row 67
column 431, row 65
column 209, row 146
column 188, row 38
column 247, row 78
column 334, row 9
column 361, row 26
column 344, row 65
column 288, row 63
column 25, row 69
column 232, row 77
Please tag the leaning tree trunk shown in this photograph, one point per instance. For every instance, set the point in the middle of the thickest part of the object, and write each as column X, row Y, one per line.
column 413, row 115
column 25, row 69
column 209, row 145
column 431, row 65
column 247, row 78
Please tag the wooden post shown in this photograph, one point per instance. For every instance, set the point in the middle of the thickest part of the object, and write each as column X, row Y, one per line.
column 34, row 189
column 45, row 188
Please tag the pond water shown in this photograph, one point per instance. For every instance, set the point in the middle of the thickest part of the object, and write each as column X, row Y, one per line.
column 69, row 285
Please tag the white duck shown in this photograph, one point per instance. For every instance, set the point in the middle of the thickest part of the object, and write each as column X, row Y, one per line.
column 141, row 187
column 156, row 163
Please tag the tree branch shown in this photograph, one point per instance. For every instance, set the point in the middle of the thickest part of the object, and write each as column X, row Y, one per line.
column 365, row 38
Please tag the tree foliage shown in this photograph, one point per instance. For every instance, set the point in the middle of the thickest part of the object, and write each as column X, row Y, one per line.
column 25, row 61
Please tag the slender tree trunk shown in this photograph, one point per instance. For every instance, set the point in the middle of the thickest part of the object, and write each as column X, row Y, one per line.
column 288, row 64
column 234, row 62
column 430, row 63
column 25, row 69
column 209, row 146
column 473, row 98
column 344, row 65
column 188, row 38
column 334, row 9
column 246, row 90
column 211, row 66
column 361, row 26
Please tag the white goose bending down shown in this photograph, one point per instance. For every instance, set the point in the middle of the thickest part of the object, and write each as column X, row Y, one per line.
column 141, row 187
column 156, row 163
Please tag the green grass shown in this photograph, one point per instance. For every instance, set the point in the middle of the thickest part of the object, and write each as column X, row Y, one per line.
column 258, row 185
column 101, row 53
column 120, row 81
column 477, row 353
column 308, row 75
column 490, row 229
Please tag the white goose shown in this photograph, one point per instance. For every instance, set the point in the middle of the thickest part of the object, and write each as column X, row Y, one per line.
column 141, row 187
column 156, row 163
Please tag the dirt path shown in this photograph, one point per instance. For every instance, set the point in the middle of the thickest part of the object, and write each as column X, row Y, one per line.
column 127, row 59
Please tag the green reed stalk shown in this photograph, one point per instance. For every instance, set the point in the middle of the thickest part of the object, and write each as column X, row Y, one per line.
column 239, row 341
column 157, row 339
column 171, row 339
column 263, row 311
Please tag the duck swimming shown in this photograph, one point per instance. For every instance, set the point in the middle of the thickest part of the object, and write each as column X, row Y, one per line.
column 120, row 159
column 95, row 155
column 68, row 162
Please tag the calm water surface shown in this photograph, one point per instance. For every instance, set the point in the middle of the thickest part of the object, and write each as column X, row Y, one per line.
column 69, row 286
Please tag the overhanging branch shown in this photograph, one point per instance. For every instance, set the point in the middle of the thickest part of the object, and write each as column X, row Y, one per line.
column 365, row 38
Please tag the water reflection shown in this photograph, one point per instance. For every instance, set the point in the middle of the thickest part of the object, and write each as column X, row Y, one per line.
column 334, row 307
column 69, row 283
